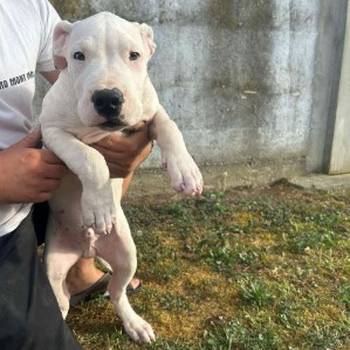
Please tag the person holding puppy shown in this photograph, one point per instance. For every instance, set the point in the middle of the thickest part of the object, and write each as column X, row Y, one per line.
column 29, row 314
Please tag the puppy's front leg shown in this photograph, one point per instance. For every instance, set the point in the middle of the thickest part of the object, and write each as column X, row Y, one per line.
column 183, row 171
column 97, row 202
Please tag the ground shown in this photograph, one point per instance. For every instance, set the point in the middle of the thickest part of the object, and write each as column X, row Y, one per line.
column 264, row 268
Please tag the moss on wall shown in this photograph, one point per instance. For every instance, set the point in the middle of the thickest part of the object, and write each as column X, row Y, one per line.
column 72, row 9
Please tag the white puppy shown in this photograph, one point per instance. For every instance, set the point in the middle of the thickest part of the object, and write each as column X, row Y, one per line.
column 103, row 87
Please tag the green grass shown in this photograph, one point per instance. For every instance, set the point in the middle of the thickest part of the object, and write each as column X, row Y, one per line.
column 244, row 269
column 255, row 292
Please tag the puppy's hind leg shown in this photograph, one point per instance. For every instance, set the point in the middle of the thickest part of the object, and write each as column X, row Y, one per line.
column 59, row 258
column 119, row 250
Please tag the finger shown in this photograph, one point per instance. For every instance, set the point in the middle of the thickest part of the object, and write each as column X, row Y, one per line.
column 49, row 185
column 136, row 143
column 119, row 142
column 53, row 171
column 42, row 197
column 147, row 150
column 139, row 138
column 50, row 157
column 31, row 140
column 115, row 141
column 117, row 171
column 140, row 126
column 111, row 155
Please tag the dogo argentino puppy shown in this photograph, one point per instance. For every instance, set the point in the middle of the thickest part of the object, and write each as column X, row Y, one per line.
column 103, row 87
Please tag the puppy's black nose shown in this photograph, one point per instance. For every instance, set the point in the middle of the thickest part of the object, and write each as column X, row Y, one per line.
column 108, row 102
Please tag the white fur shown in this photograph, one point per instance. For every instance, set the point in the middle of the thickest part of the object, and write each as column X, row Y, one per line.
column 87, row 218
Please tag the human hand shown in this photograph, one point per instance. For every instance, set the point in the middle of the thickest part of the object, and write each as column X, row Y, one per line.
column 28, row 174
column 124, row 153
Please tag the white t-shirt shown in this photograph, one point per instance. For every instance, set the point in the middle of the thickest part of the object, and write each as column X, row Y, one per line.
column 26, row 28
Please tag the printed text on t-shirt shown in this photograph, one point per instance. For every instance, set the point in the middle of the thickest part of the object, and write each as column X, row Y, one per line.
column 19, row 79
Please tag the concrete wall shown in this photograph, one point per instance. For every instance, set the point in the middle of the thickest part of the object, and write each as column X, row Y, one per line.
column 247, row 81
column 327, row 67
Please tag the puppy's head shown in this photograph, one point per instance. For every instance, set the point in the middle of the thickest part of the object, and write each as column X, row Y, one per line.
column 106, row 58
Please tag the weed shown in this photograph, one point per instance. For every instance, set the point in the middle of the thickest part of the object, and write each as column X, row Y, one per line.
column 254, row 292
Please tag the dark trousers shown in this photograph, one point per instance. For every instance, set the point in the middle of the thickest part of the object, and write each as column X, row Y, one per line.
column 29, row 314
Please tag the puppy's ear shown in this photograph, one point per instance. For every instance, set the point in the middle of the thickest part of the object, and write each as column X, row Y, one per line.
column 148, row 38
column 60, row 36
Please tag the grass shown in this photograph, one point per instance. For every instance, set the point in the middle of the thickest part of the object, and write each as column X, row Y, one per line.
column 244, row 269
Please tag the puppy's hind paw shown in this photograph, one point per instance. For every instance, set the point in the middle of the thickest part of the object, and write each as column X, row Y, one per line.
column 139, row 330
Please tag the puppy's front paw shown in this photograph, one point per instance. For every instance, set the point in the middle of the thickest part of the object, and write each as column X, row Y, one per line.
column 184, row 174
column 98, row 209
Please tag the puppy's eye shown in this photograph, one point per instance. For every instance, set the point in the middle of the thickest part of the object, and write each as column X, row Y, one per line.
column 133, row 56
column 79, row 56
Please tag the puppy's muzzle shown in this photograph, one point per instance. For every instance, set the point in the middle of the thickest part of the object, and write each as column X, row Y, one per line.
column 108, row 104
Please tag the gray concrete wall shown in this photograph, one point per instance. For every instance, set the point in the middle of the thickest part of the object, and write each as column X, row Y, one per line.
column 327, row 67
column 244, row 79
